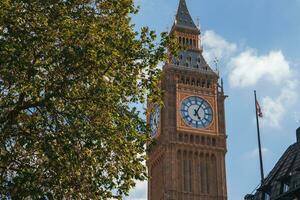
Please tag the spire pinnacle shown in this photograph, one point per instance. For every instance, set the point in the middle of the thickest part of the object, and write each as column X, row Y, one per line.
column 183, row 18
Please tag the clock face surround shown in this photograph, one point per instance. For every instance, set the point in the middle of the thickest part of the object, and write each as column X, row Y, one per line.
column 154, row 120
column 196, row 112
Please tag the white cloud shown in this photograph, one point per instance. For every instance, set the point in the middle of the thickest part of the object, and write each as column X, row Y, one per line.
column 273, row 112
column 297, row 117
column 216, row 46
column 275, row 109
column 255, row 154
column 248, row 68
column 139, row 192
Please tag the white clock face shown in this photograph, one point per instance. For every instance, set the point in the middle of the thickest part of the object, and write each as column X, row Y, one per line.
column 196, row 112
column 154, row 119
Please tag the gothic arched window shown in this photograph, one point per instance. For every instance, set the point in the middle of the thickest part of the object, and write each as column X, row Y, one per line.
column 285, row 187
column 208, row 84
column 202, row 171
column 214, row 177
column 208, row 173
column 189, row 59
column 267, row 196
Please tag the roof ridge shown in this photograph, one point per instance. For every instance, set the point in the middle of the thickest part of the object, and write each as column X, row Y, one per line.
column 281, row 162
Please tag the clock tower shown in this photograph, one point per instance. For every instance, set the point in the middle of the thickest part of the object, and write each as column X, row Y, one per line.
column 188, row 147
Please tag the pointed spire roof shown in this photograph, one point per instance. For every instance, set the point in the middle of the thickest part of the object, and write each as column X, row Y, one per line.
column 183, row 18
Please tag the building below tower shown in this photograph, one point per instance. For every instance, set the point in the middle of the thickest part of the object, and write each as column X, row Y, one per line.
column 283, row 182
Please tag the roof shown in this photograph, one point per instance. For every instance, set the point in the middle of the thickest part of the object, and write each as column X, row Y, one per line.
column 183, row 18
column 286, row 172
column 192, row 60
column 288, row 164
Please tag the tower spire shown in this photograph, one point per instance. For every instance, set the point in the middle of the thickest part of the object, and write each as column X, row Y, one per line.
column 183, row 18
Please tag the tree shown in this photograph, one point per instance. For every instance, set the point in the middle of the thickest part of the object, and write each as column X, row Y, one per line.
column 69, row 71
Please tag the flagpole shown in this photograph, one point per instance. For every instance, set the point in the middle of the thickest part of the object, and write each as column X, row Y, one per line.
column 259, row 142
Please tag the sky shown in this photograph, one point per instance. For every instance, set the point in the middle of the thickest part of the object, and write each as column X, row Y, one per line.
column 257, row 43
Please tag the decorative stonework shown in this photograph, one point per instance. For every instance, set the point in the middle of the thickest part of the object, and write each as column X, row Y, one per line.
column 187, row 163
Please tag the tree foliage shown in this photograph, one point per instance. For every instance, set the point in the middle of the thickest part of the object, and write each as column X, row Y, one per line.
column 69, row 71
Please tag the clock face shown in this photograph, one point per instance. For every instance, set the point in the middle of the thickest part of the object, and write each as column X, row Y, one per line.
column 196, row 112
column 154, row 119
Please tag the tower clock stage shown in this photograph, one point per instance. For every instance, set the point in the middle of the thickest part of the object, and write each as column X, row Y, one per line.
column 187, row 159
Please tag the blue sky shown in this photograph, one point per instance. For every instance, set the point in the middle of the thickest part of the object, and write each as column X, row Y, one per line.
column 258, row 45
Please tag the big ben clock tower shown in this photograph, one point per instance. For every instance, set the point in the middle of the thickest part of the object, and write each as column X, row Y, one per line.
column 187, row 153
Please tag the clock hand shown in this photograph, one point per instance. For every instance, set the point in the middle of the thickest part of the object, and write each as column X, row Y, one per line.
column 197, row 111
column 155, row 122
column 202, row 123
column 199, row 107
column 196, row 114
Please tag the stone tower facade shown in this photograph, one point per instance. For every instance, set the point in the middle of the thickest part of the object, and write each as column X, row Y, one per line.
column 187, row 153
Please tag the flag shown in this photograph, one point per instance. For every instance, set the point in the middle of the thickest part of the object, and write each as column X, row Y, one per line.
column 259, row 114
column 258, row 110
